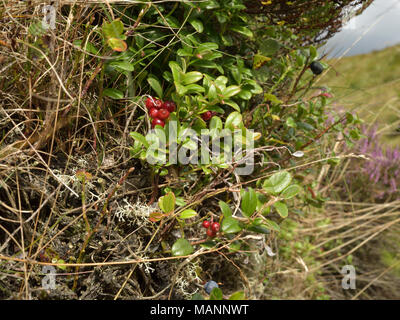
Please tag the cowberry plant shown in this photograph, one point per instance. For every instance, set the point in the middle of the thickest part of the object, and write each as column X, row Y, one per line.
column 249, row 75
column 117, row 89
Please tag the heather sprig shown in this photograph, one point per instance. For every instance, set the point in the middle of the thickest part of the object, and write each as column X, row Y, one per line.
column 383, row 168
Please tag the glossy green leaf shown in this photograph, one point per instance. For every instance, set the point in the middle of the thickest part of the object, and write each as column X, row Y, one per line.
column 290, row 191
column 180, row 89
column 194, row 88
column 216, row 123
column 243, row 30
column 230, row 225
column 313, row 53
column 139, row 137
column 206, row 46
column 277, row 182
column 272, row 225
column 226, row 210
column 191, row 77
column 181, row 247
column 113, row 93
column 187, row 214
column 232, row 104
column 233, row 121
column 155, row 85
column 245, row 95
column 212, row 93
column 249, row 202
column 230, row 91
column 197, row 25
column 176, row 71
column 167, row 202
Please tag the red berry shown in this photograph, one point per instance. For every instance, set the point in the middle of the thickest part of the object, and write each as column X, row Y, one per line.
column 210, row 233
column 206, row 115
column 215, row 227
column 157, row 121
column 150, row 102
column 163, row 114
column 170, row 106
column 206, row 224
column 153, row 113
column 158, row 104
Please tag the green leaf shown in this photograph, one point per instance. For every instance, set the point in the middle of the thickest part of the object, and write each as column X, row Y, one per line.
column 216, row 294
column 230, row 91
column 167, row 202
column 176, row 71
column 113, row 29
column 206, row 46
column 243, row 30
column 264, row 229
column 197, row 25
column 37, row 29
column 236, row 74
column 245, row 95
column 181, row 247
column 197, row 296
column 122, row 65
column 89, row 47
column 272, row 98
column 269, row 47
column 290, row 122
column 191, row 77
column 169, row 21
column 259, row 60
column 194, row 88
column 277, row 182
column 230, row 225
column 272, row 225
column 113, row 93
column 139, row 137
column 313, row 53
column 117, row 44
column 249, row 202
column 226, row 210
column 290, row 191
column 212, row 92
column 216, row 123
column 281, row 208
column 232, row 104
column 61, row 261
column 180, row 89
column 239, row 295
column 155, row 84
column 233, row 121
column 185, row 52
column 187, row 214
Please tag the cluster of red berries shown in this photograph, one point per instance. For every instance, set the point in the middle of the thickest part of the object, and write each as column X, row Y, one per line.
column 159, row 110
column 208, row 115
column 212, row 228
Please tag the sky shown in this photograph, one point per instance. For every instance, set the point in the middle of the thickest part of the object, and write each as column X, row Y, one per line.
column 376, row 28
